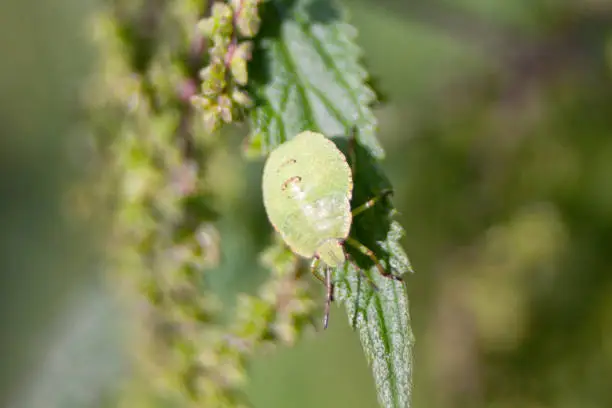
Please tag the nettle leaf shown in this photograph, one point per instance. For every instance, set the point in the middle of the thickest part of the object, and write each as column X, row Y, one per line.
column 306, row 75
column 378, row 306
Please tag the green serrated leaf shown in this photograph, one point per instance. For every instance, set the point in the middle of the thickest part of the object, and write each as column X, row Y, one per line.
column 382, row 320
column 380, row 316
column 306, row 75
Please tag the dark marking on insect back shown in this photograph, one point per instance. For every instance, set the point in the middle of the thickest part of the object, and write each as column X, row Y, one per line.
column 285, row 163
column 291, row 180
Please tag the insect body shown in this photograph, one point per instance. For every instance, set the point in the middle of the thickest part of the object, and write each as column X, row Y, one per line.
column 307, row 191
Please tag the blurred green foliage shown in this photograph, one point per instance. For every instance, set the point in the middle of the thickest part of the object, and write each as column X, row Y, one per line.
column 44, row 256
column 497, row 131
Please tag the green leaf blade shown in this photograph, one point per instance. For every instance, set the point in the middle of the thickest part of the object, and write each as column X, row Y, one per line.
column 306, row 75
column 382, row 319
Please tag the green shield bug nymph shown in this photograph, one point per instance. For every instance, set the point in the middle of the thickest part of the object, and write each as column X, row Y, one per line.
column 307, row 191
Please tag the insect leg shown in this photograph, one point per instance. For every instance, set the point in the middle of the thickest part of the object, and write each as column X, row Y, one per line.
column 314, row 269
column 330, row 296
column 370, row 281
column 368, row 252
column 370, row 203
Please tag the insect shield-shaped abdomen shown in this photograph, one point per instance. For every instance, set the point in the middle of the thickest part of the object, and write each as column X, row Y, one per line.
column 307, row 187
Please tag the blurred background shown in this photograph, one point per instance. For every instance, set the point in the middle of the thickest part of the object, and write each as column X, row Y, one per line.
column 497, row 124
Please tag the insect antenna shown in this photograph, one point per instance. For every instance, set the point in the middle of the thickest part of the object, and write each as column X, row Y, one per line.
column 330, row 296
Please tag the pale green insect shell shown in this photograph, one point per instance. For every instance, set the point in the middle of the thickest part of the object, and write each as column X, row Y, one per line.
column 307, row 189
